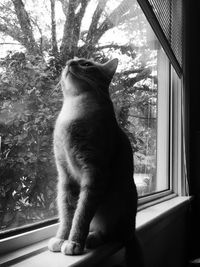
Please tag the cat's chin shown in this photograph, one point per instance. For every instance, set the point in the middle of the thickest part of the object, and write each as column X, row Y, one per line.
column 55, row 244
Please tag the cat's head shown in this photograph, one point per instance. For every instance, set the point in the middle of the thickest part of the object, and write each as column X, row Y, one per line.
column 82, row 75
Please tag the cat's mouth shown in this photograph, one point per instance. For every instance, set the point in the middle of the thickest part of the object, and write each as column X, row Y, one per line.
column 73, row 73
column 72, row 68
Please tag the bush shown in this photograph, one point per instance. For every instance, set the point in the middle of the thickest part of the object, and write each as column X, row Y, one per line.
column 29, row 105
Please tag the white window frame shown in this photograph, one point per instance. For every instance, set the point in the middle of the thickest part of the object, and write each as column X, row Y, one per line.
column 177, row 181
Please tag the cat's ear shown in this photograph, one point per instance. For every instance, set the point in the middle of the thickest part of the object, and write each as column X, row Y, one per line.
column 110, row 67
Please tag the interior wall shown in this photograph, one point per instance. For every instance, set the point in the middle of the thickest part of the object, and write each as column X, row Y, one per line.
column 192, row 83
column 164, row 242
column 192, row 73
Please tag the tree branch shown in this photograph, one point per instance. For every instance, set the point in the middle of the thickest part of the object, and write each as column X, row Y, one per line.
column 95, row 20
column 72, row 26
column 53, row 29
column 9, row 44
column 142, row 74
column 78, row 19
column 143, row 118
column 26, row 27
column 65, row 47
column 65, row 5
column 95, row 33
column 15, row 33
column 113, row 19
column 143, row 88
column 123, row 48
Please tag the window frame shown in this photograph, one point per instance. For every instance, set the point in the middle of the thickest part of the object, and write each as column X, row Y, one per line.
column 177, row 183
column 151, row 17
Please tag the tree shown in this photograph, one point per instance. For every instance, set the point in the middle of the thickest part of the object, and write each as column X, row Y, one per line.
column 30, row 95
column 22, row 26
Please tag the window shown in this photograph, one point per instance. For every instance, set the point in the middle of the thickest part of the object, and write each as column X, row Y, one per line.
column 141, row 91
column 34, row 48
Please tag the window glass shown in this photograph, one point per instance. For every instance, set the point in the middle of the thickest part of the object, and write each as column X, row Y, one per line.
column 33, row 49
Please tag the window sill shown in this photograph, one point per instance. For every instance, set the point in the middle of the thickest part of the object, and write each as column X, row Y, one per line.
column 38, row 255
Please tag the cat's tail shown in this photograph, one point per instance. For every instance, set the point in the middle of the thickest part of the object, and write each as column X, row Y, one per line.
column 134, row 255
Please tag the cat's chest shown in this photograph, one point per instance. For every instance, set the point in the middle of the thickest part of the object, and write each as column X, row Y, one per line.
column 73, row 108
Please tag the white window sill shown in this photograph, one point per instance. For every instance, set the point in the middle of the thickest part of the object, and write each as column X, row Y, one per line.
column 38, row 255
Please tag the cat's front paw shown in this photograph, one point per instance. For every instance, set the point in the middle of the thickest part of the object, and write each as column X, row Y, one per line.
column 55, row 244
column 71, row 248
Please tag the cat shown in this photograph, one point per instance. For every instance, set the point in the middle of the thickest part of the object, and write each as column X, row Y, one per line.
column 97, row 196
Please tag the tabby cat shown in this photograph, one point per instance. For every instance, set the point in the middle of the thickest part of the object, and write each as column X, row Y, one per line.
column 97, row 198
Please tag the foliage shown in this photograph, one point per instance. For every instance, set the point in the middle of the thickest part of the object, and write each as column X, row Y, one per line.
column 30, row 97
column 28, row 110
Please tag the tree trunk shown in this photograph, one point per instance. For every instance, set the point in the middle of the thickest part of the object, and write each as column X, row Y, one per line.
column 53, row 30
column 96, row 31
column 71, row 34
column 26, row 27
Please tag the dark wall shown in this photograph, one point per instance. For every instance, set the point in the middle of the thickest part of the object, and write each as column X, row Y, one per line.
column 192, row 72
column 163, row 241
column 192, row 96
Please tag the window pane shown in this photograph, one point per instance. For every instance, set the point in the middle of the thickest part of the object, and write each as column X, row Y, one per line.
column 30, row 97
column 140, row 91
